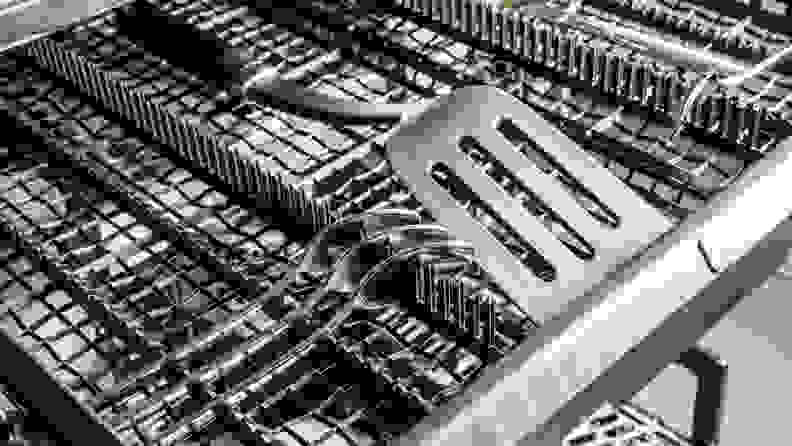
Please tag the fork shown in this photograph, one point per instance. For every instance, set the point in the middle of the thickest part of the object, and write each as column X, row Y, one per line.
column 344, row 271
column 358, row 265
column 317, row 260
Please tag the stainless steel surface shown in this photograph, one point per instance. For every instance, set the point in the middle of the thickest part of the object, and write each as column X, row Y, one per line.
column 560, row 375
column 139, row 194
column 500, row 168
column 754, row 333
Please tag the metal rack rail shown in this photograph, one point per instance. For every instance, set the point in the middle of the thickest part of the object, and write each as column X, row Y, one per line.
column 141, row 214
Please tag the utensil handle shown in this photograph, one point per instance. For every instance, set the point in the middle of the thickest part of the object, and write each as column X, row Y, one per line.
column 173, row 38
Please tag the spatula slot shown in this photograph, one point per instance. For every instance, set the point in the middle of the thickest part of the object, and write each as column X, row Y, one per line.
column 513, row 186
column 546, row 162
column 479, row 210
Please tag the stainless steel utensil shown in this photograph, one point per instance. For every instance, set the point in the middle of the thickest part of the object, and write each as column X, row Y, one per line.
column 498, row 173
column 318, row 259
column 604, row 225
column 237, row 72
column 350, row 271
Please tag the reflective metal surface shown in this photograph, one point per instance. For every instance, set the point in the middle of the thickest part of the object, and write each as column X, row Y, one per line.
column 186, row 269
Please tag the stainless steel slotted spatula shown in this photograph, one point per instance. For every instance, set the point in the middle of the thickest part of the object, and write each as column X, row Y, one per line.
column 546, row 219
